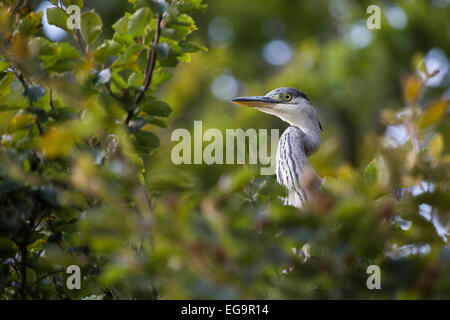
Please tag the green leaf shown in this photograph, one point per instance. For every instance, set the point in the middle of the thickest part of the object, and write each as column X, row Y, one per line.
column 190, row 5
column 192, row 47
column 61, row 114
column 30, row 24
column 58, row 17
column 118, row 81
column 160, row 77
column 91, row 26
column 4, row 107
column 270, row 187
column 3, row 66
column 121, row 25
column 107, row 49
column 172, row 59
column 155, row 107
column 113, row 273
column 183, row 26
column 40, row 114
column 57, row 57
column 138, row 21
column 156, row 121
column 135, row 79
column 372, row 174
column 145, row 141
column 20, row 121
column 5, row 83
column 68, row 3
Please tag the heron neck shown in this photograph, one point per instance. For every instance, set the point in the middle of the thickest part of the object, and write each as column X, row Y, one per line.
column 312, row 133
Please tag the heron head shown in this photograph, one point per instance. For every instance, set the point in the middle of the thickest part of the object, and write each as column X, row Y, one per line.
column 289, row 104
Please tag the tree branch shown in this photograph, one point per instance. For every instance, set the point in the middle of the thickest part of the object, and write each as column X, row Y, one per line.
column 149, row 70
column 77, row 36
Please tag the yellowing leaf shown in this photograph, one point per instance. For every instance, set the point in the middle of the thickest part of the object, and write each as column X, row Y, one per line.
column 56, row 143
column 21, row 121
column 411, row 88
column 434, row 113
column 436, row 146
column 84, row 175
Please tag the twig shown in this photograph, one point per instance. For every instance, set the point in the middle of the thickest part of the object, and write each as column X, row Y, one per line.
column 149, row 70
column 77, row 37
column 24, row 5
column 52, row 106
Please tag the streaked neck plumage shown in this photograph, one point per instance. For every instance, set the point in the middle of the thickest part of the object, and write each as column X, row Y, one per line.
column 305, row 118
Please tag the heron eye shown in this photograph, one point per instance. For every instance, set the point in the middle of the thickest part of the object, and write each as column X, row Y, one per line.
column 287, row 97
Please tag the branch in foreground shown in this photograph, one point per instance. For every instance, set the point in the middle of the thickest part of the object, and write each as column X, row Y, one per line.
column 149, row 70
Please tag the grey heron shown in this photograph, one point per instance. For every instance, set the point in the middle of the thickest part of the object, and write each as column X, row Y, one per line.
column 297, row 142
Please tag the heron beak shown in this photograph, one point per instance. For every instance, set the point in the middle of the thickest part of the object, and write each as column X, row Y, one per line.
column 257, row 101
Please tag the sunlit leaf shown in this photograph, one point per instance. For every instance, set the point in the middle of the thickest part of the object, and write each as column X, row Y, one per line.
column 160, row 77
column 21, row 120
column 58, row 17
column 68, row 3
column 56, row 143
column 91, row 26
column 372, row 174
column 434, row 113
column 5, row 83
column 138, row 21
column 436, row 146
column 156, row 121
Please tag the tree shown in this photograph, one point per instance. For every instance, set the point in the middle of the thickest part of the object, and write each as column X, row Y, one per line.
column 77, row 133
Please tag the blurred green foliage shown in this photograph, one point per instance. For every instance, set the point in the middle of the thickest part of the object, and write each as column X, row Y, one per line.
column 86, row 179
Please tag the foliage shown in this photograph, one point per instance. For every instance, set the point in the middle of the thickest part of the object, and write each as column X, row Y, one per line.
column 85, row 177
column 73, row 186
